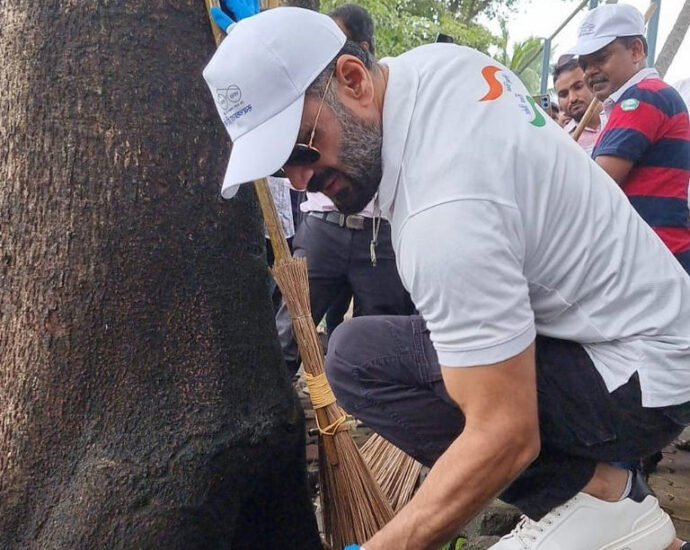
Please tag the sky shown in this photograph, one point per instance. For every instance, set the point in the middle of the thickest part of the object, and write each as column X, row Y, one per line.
column 542, row 17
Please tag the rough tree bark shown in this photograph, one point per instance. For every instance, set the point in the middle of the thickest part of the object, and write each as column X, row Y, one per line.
column 143, row 399
column 674, row 40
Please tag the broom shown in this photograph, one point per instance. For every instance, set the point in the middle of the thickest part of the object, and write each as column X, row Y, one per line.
column 396, row 472
column 352, row 503
column 595, row 103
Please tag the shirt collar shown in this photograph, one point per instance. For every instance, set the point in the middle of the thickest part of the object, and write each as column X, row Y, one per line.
column 638, row 77
column 398, row 105
column 570, row 127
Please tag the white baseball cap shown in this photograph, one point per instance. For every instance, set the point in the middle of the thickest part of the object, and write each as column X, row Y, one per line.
column 604, row 24
column 258, row 78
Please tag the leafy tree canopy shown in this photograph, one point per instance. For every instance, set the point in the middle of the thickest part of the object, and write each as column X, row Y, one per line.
column 521, row 60
column 405, row 24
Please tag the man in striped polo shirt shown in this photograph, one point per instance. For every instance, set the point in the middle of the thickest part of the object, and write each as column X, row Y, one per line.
column 645, row 143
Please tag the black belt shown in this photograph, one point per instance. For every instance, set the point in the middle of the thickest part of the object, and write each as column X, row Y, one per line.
column 351, row 222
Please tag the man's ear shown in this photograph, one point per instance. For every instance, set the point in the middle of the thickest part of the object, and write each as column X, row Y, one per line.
column 354, row 80
column 637, row 47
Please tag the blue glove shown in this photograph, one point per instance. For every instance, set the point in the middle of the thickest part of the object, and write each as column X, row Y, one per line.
column 233, row 11
column 352, row 547
column 241, row 9
column 221, row 19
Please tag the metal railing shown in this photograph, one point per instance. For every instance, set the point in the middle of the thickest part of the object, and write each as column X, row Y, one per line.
column 545, row 48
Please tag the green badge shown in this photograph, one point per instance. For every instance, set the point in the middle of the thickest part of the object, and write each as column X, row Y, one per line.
column 630, row 104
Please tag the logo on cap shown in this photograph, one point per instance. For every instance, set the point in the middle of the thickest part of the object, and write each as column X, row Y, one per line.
column 227, row 97
column 586, row 29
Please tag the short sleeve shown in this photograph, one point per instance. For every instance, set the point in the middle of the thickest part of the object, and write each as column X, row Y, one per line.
column 633, row 126
column 462, row 262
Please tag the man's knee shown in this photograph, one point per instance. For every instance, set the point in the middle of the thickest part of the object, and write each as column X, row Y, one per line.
column 344, row 356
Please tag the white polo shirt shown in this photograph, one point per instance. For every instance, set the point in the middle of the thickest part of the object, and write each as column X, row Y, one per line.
column 503, row 229
column 683, row 87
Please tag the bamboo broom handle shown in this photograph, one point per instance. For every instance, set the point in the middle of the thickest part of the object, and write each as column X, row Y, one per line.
column 589, row 113
column 281, row 251
column 217, row 33
column 327, row 441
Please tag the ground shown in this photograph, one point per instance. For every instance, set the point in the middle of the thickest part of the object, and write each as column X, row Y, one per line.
column 671, row 483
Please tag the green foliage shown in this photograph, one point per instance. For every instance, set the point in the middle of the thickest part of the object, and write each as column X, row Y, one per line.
column 405, row 24
column 517, row 59
column 468, row 10
column 456, row 544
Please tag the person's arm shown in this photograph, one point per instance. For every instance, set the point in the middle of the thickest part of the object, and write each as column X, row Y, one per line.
column 616, row 167
column 633, row 126
column 500, row 439
column 463, row 262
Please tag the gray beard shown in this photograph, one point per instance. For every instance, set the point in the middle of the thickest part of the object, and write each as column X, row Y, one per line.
column 360, row 158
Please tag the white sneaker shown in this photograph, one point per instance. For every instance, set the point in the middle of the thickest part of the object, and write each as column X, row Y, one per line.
column 587, row 523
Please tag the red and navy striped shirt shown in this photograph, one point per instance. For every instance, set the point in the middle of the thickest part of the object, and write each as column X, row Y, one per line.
column 649, row 126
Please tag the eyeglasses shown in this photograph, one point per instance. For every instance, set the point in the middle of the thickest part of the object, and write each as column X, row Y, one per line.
column 305, row 153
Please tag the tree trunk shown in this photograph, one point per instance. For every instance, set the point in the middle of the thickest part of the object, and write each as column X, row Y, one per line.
column 143, row 399
column 674, row 40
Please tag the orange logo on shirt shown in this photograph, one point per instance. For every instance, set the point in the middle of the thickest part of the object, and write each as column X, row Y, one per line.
column 525, row 103
column 495, row 87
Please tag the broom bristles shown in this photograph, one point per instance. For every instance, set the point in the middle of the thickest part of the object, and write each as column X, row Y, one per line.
column 352, row 503
column 395, row 471
column 291, row 276
column 356, row 507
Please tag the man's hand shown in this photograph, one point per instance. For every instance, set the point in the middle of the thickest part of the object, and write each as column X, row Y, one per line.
column 232, row 11
column 500, row 439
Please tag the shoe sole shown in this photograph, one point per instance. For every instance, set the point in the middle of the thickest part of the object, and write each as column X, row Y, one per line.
column 656, row 536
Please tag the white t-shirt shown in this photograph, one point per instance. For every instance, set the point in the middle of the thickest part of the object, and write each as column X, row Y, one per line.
column 683, row 87
column 503, row 229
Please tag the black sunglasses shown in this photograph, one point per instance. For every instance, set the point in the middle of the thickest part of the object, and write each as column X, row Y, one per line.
column 304, row 154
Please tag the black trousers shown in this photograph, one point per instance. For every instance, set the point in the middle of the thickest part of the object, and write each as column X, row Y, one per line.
column 339, row 258
column 384, row 371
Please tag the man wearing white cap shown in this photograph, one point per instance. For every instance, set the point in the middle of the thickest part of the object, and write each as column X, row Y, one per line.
column 554, row 337
column 349, row 257
column 645, row 141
